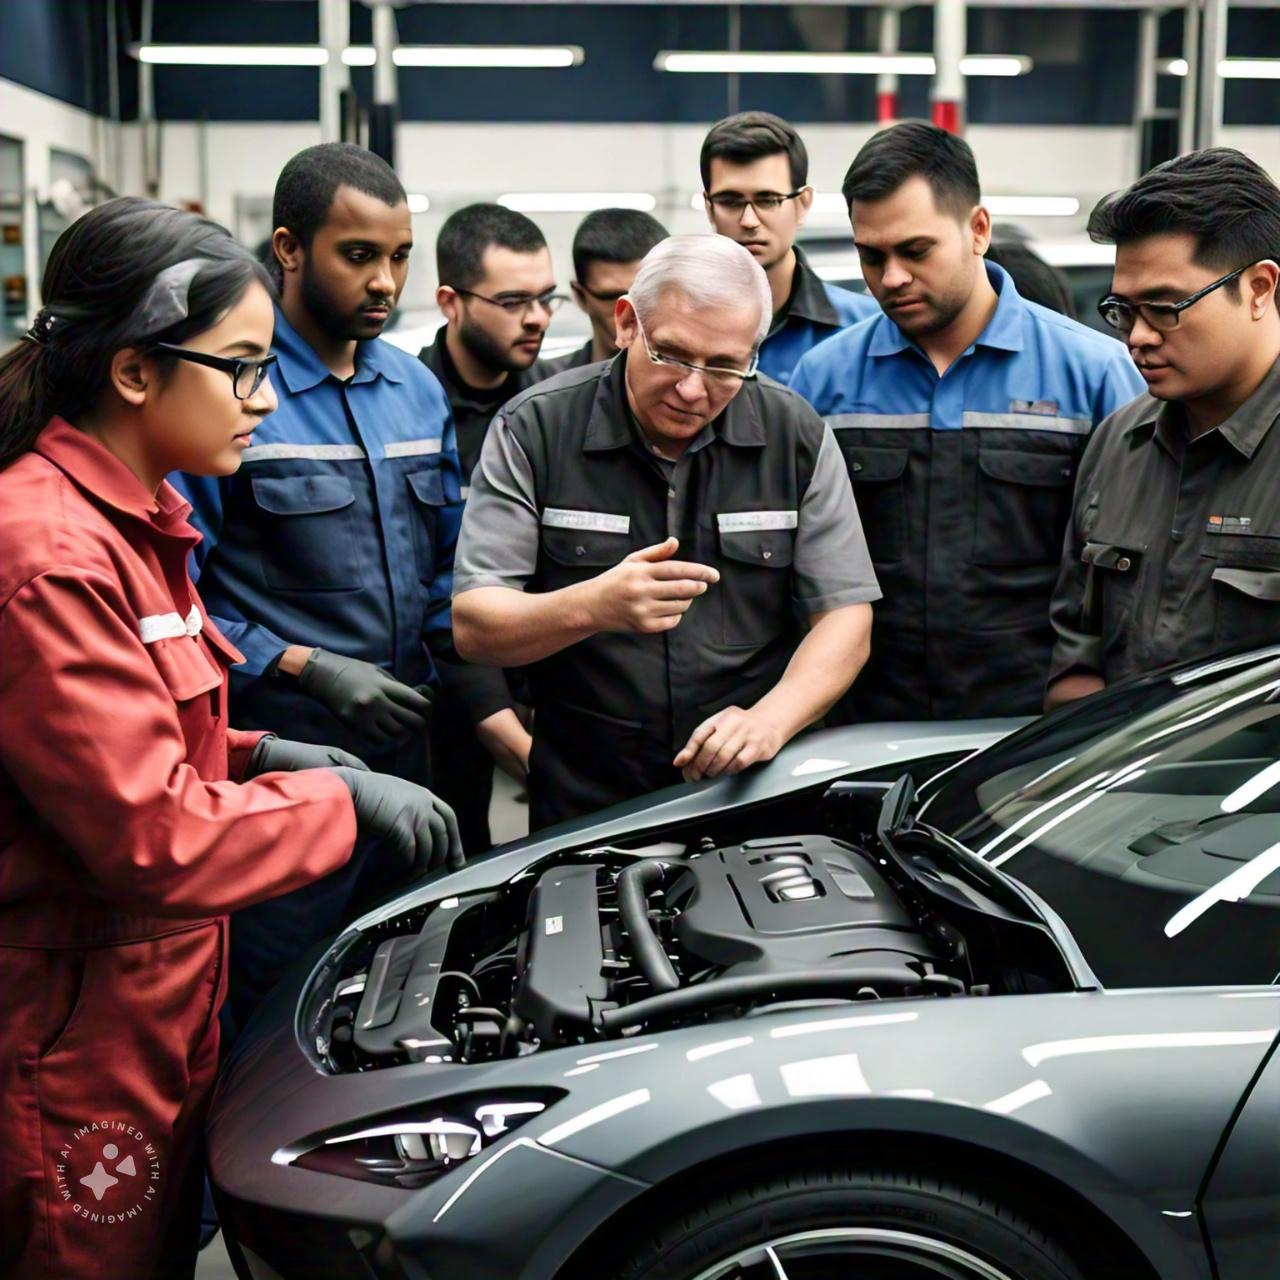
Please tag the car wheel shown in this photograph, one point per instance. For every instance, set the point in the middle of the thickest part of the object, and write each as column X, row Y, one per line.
column 848, row 1224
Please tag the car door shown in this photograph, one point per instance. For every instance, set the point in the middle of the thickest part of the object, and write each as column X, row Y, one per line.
column 1242, row 1203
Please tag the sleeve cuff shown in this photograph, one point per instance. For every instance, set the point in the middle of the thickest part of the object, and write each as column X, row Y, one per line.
column 839, row 599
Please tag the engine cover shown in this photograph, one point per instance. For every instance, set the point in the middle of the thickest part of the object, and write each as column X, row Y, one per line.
column 768, row 906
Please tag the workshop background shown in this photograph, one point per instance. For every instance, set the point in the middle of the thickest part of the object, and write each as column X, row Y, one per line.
column 588, row 104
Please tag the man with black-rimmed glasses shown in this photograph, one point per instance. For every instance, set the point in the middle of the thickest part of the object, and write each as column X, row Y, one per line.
column 755, row 187
column 1173, row 550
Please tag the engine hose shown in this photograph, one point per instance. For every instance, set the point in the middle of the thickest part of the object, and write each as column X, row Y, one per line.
column 634, row 886
column 757, row 987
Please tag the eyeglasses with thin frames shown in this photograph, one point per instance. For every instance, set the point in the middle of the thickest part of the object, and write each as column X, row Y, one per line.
column 522, row 304
column 721, row 378
column 1121, row 314
column 762, row 202
column 246, row 375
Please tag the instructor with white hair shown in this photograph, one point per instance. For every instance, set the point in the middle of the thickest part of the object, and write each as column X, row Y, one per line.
column 669, row 544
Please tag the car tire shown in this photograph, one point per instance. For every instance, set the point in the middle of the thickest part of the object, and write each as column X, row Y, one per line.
column 837, row 1223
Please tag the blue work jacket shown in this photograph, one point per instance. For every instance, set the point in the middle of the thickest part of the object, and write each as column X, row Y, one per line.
column 814, row 311
column 338, row 531
column 964, row 482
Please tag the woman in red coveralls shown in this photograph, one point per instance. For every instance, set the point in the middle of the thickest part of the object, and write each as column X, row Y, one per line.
column 132, row 819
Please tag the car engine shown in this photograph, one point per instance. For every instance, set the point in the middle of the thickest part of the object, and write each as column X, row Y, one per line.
column 599, row 944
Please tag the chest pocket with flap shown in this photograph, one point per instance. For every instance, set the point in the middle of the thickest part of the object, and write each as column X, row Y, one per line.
column 426, row 489
column 1246, row 588
column 755, row 596
column 308, row 532
column 878, row 476
column 1023, row 501
column 584, row 541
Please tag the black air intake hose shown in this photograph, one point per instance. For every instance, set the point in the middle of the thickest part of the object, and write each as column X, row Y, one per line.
column 634, row 886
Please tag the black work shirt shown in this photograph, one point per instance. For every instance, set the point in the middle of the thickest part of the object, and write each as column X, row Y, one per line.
column 482, row 691
column 473, row 407
column 567, row 488
column 1173, row 550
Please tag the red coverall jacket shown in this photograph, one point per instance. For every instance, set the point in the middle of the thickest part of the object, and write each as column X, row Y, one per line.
column 123, row 845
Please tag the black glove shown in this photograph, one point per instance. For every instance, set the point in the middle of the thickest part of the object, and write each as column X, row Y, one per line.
column 418, row 825
column 279, row 755
column 365, row 698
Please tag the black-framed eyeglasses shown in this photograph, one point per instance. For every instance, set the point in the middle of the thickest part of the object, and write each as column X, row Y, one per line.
column 1122, row 314
column 246, row 375
column 520, row 304
column 717, row 376
column 611, row 295
column 761, row 202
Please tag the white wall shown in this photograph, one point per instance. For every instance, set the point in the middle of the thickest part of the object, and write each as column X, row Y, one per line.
column 40, row 123
column 456, row 164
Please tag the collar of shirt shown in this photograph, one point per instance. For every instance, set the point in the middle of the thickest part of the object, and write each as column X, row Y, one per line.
column 1244, row 430
column 96, row 470
column 1004, row 331
column 301, row 369
column 437, row 358
column 808, row 299
column 610, row 425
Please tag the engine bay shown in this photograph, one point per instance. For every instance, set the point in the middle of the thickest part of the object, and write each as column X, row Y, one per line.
column 597, row 944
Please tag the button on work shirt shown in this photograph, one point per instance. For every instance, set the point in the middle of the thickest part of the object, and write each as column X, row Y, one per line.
column 1173, row 552
column 814, row 311
column 964, row 482
column 337, row 531
column 567, row 487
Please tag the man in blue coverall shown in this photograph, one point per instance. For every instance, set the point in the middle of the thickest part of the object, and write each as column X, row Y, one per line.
column 328, row 558
column 962, row 412
column 755, row 175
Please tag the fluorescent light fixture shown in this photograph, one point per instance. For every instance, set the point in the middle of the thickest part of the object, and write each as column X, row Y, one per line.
column 1228, row 68
column 1249, row 68
column 360, row 55
column 1032, row 206
column 232, row 55
column 849, row 64
column 418, row 203
column 577, row 201
column 484, row 55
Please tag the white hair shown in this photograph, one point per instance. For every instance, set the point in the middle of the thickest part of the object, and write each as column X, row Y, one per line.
column 709, row 270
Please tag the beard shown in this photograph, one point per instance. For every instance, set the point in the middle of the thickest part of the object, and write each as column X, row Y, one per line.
column 327, row 311
column 486, row 350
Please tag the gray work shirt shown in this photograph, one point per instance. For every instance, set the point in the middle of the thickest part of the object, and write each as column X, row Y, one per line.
column 1173, row 550
column 566, row 487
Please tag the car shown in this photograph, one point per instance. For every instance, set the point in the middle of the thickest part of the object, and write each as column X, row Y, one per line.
column 973, row 1001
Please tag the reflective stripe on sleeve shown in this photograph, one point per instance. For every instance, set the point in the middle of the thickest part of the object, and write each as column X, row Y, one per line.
column 599, row 521
column 412, row 448
column 879, row 421
column 742, row 521
column 1028, row 422
column 170, row 626
column 315, row 452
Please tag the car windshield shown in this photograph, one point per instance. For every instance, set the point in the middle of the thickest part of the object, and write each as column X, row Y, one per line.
column 1148, row 817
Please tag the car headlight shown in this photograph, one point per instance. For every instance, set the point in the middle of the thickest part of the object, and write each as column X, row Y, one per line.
column 413, row 1148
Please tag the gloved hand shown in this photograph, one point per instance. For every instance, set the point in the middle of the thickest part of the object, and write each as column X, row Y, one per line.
column 280, row 755
column 418, row 825
column 365, row 698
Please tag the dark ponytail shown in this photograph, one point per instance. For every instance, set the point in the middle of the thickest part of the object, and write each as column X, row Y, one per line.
column 100, row 270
